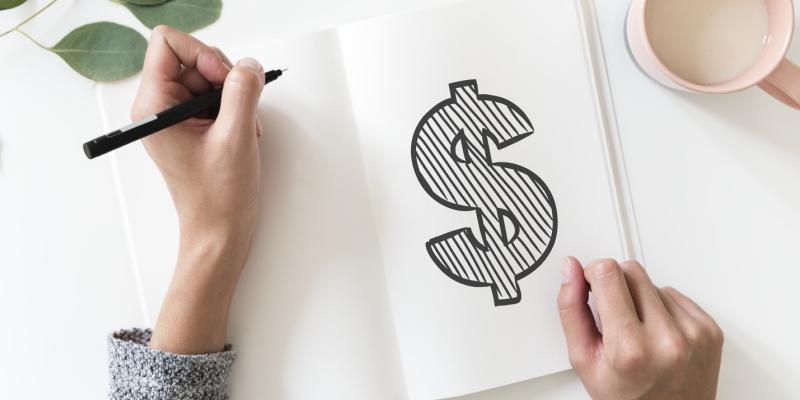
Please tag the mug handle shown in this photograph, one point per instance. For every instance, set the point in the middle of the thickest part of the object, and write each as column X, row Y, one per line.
column 784, row 83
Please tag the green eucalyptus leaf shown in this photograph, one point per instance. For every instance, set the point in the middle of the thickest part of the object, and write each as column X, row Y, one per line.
column 145, row 2
column 103, row 51
column 184, row 15
column 7, row 4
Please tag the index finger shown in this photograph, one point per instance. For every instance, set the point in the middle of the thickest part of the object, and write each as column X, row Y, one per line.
column 611, row 293
column 167, row 52
column 169, row 49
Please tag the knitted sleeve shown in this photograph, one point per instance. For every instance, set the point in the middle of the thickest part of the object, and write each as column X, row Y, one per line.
column 139, row 372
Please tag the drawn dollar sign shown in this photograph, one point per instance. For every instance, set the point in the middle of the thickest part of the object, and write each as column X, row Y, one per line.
column 515, row 209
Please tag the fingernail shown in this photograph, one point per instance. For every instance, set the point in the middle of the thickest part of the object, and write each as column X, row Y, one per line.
column 250, row 64
column 566, row 270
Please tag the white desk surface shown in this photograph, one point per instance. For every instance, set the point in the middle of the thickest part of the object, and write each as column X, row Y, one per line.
column 715, row 181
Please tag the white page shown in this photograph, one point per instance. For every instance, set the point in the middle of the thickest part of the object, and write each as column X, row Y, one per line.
column 453, row 339
column 311, row 316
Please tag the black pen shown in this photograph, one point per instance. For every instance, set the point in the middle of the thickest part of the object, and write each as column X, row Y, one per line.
column 156, row 122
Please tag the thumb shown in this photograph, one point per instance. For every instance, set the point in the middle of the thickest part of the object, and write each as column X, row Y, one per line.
column 240, row 94
column 576, row 316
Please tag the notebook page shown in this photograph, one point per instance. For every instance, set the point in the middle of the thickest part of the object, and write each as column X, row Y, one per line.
column 457, row 333
column 310, row 317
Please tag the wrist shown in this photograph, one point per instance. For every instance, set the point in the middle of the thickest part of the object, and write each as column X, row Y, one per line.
column 213, row 257
column 217, row 239
column 194, row 314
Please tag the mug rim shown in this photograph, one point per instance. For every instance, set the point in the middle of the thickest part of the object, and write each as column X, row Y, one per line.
column 738, row 82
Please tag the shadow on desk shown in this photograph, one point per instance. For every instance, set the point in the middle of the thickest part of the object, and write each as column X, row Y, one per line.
column 764, row 135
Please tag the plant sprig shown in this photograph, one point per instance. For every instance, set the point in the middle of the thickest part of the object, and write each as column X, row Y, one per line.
column 107, row 51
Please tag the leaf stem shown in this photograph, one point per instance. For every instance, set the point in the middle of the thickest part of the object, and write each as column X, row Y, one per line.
column 33, row 40
column 25, row 21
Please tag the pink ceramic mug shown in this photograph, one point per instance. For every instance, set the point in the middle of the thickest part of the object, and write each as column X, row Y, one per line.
column 771, row 71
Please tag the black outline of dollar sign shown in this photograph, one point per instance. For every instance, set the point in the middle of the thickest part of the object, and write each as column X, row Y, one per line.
column 516, row 212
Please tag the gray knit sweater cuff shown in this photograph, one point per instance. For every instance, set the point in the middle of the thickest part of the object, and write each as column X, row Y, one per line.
column 139, row 372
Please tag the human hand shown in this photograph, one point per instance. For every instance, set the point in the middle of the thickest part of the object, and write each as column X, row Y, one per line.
column 211, row 167
column 655, row 343
column 212, row 170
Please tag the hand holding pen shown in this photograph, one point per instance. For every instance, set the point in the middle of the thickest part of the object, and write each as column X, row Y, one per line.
column 188, row 72
column 212, row 170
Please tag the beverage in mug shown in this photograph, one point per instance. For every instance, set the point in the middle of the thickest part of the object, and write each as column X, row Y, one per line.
column 716, row 46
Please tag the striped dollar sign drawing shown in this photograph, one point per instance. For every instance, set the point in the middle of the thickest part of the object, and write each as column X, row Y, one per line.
column 516, row 212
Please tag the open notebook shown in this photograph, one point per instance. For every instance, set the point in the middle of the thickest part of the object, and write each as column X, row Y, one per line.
column 426, row 173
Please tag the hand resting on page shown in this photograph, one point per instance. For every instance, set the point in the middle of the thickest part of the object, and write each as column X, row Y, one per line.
column 656, row 343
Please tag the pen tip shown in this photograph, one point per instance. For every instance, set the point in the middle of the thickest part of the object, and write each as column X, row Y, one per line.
column 284, row 70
